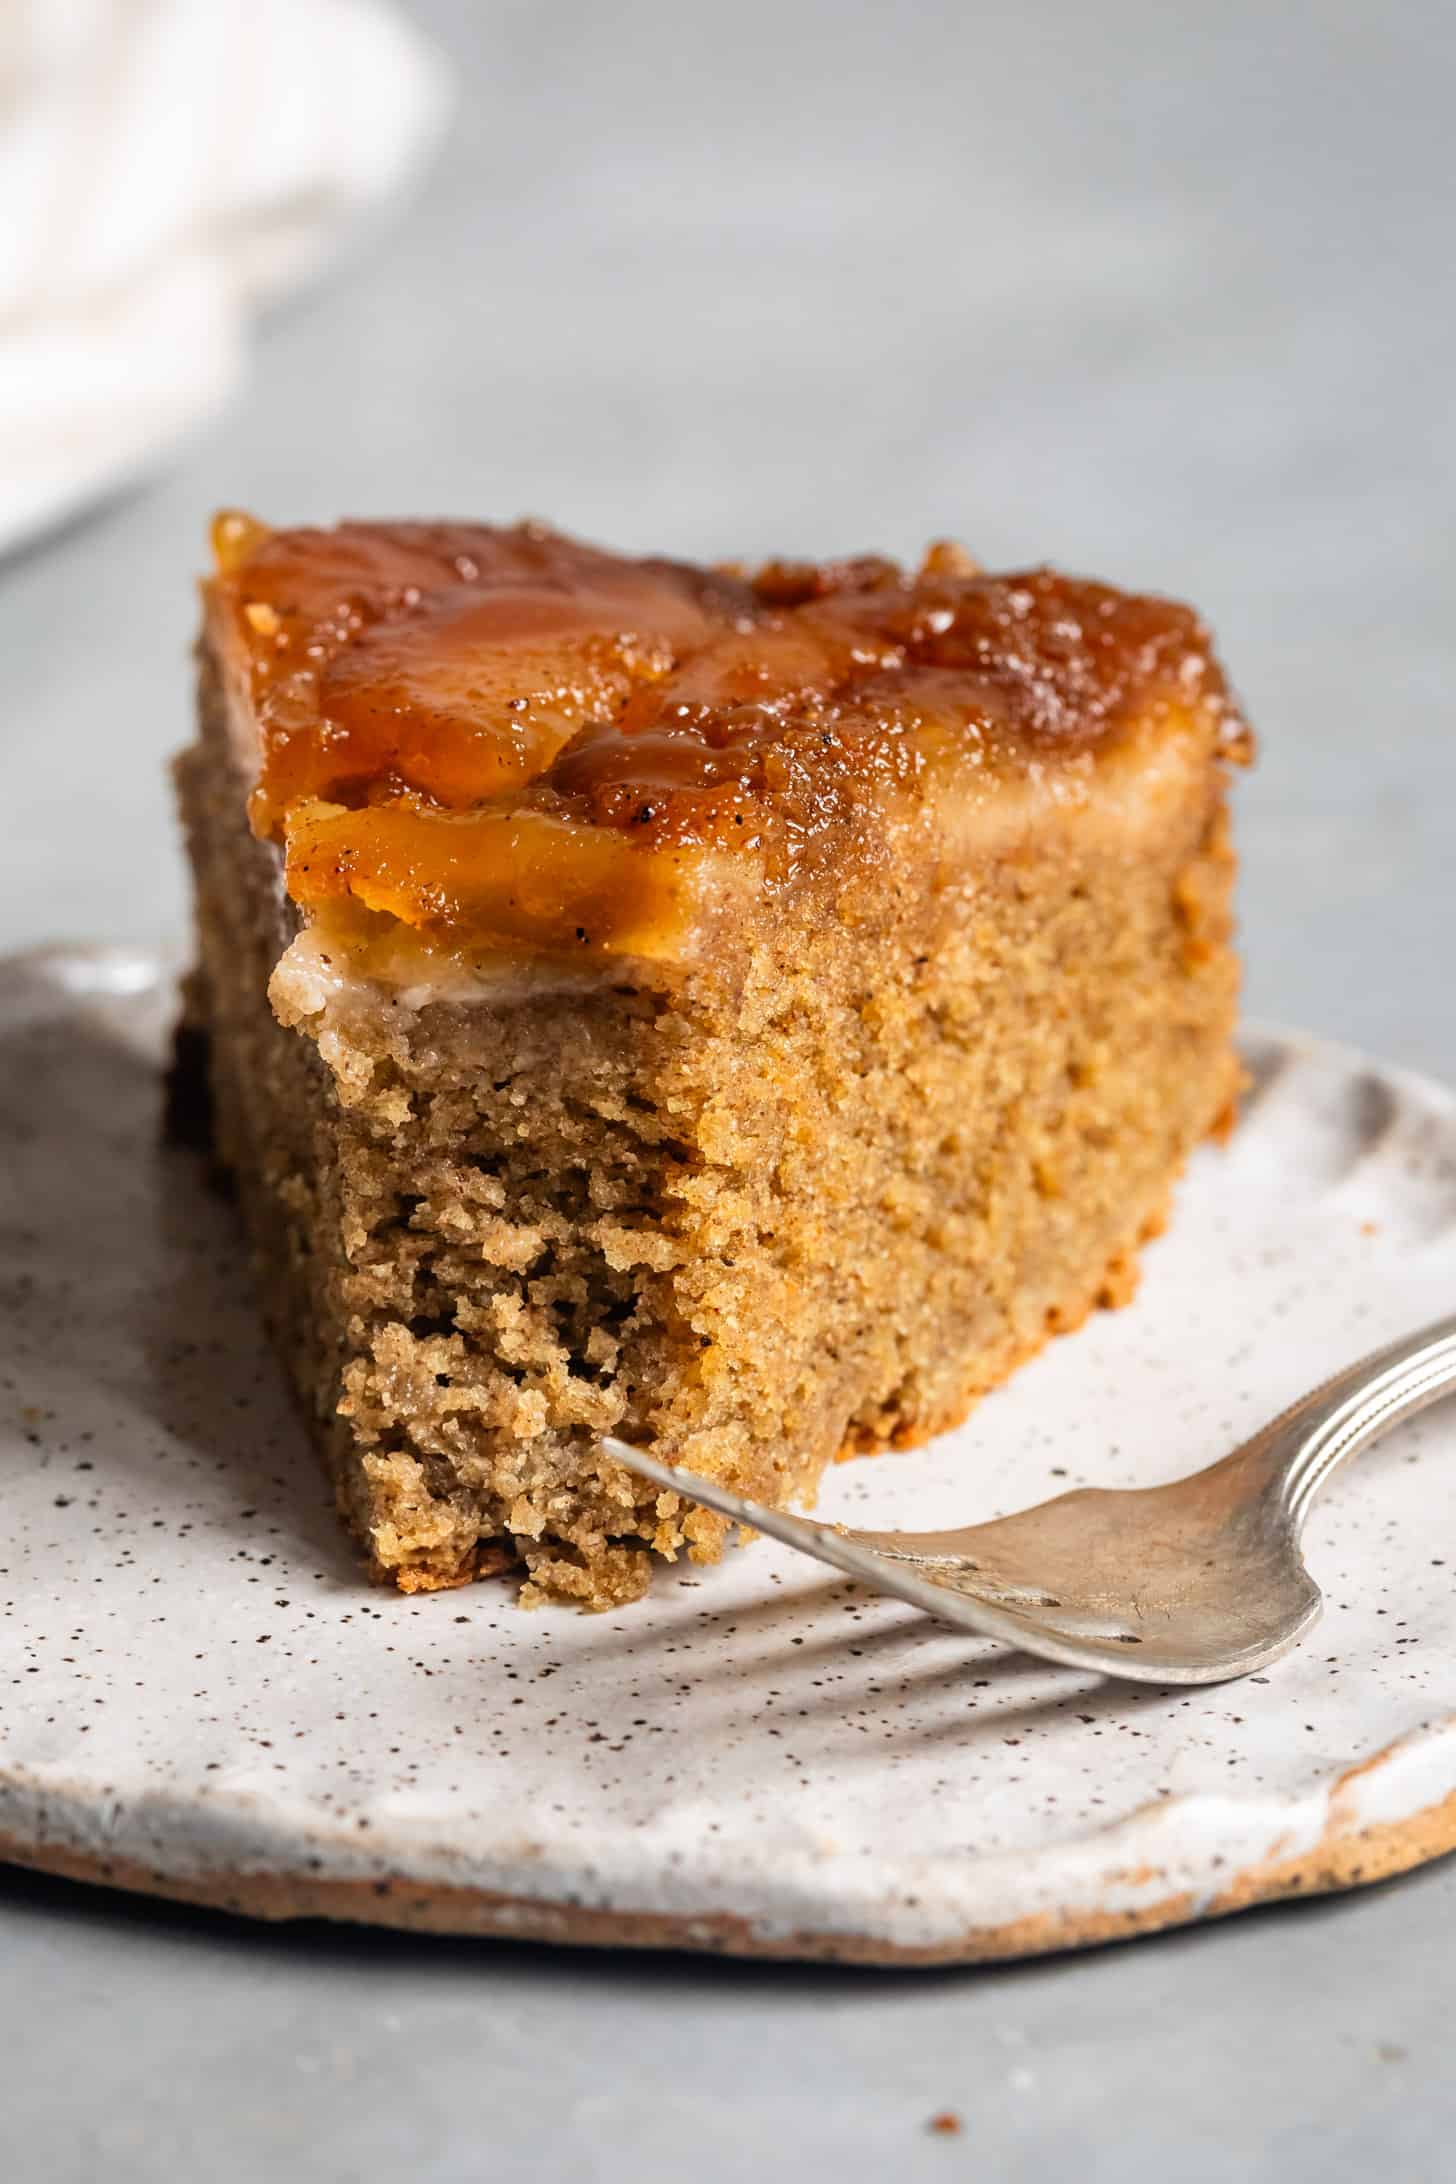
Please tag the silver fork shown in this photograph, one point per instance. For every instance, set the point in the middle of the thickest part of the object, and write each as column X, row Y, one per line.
column 1188, row 1583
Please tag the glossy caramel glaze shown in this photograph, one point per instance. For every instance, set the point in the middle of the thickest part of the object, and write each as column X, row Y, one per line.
column 501, row 736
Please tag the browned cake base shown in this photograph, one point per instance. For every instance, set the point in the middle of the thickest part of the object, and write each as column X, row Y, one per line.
column 815, row 1194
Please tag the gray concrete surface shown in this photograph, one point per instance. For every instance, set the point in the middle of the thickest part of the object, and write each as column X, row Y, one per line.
column 1160, row 292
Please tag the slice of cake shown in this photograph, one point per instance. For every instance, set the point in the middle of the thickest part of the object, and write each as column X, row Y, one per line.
column 746, row 1013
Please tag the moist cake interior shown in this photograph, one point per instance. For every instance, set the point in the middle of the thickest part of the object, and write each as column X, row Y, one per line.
column 813, row 1136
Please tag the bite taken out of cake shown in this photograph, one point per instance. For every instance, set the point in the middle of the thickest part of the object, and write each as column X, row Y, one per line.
column 746, row 1012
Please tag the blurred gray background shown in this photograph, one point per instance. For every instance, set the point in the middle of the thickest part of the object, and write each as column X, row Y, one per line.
column 1158, row 291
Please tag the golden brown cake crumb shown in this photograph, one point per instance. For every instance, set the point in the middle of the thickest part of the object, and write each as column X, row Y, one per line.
column 744, row 1013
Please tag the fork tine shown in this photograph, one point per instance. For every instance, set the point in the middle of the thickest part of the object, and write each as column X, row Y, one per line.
column 822, row 1540
column 842, row 1552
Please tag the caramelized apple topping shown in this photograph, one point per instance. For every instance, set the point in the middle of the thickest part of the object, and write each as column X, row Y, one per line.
column 506, row 737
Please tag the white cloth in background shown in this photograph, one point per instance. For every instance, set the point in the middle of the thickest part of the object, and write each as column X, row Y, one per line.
column 166, row 166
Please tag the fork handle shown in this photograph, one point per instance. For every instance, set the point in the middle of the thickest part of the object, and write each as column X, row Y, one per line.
column 1305, row 1445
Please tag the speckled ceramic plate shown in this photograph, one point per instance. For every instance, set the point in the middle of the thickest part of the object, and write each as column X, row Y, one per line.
column 199, row 1695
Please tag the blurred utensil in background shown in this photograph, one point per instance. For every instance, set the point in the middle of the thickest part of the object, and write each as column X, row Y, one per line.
column 166, row 169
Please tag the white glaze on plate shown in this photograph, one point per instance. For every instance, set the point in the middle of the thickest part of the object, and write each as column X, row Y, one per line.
column 199, row 1694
